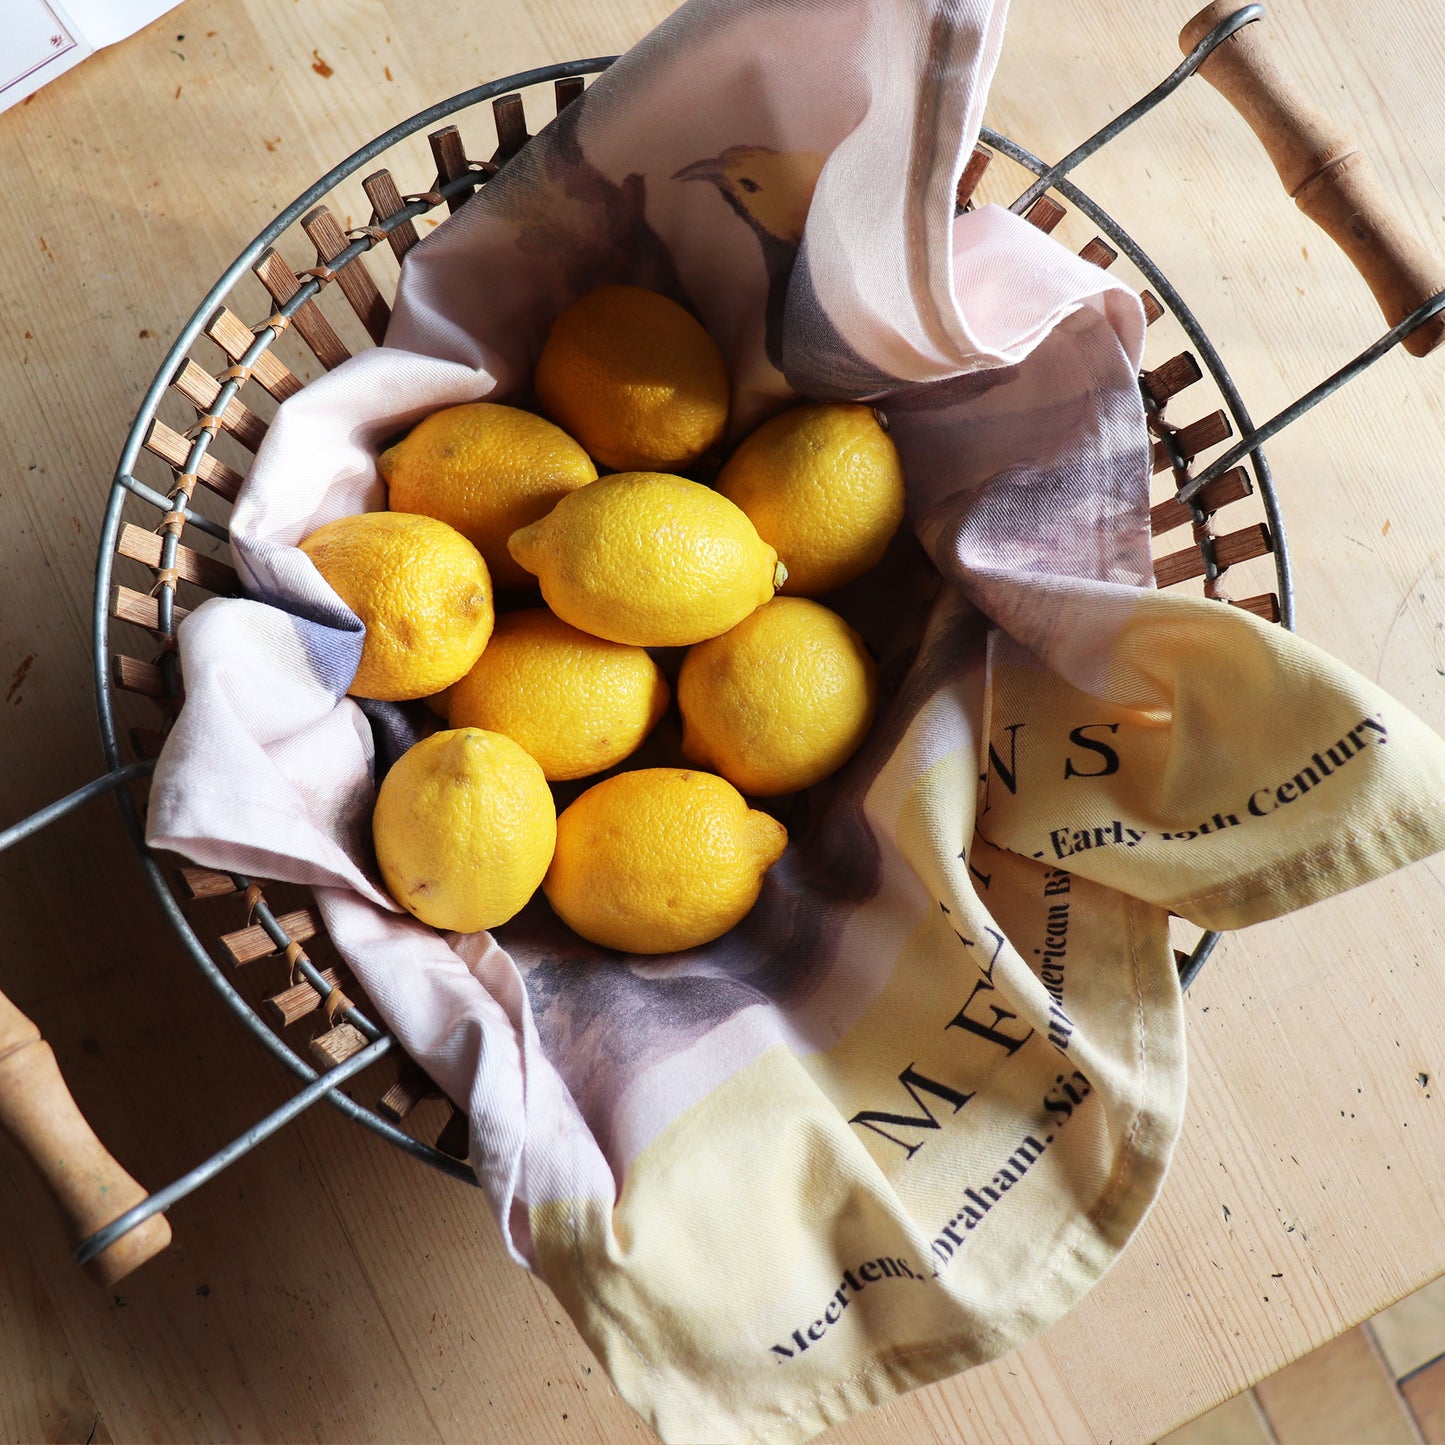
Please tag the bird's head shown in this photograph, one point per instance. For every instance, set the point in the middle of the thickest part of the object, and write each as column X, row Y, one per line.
column 769, row 189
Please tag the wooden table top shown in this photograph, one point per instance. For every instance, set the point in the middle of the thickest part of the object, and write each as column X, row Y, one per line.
column 327, row 1288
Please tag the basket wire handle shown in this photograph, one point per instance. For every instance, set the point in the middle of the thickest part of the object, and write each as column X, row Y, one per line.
column 1329, row 177
column 118, row 1225
column 38, row 1112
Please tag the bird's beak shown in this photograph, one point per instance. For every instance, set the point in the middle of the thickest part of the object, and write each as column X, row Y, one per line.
column 708, row 170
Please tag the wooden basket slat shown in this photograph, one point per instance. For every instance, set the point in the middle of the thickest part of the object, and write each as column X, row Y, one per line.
column 1045, row 213
column 1171, row 378
column 303, row 998
column 412, row 1085
column 140, row 609
column 191, row 566
column 1240, row 546
column 568, row 89
column 1153, row 307
column 1266, row 605
column 386, row 201
column 1252, row 541
column 131, row 674
column 356, row 282
column 201, row 389
column 206, row 882
column 316, row 331
column 336, row 1045
column 1193, row 439
column 1099, row 253
column 1231, row 487
column 511, row 122
column 245, row 945
column 452, row 163
column 973, row 171
column 235, row 338
column 171, row 447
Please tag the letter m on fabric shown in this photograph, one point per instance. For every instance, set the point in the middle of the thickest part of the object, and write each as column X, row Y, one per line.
column 914, row 1082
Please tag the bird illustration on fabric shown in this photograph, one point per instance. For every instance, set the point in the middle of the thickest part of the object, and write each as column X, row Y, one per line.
column 771, row 191
column 593, row 228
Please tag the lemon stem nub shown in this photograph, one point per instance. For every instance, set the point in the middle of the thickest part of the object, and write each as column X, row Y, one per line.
column 780, row 575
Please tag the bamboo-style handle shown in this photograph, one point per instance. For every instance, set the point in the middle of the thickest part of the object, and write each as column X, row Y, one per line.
column 1332, row 181
column 37, row 1111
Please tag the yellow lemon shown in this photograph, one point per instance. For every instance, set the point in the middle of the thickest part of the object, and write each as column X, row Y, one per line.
column 464, row 829
column 650, row 559
column 635, row 379
column 423, row 592
column 660, row 859
column 779, row 702
column 823, row 484
column 486, row 470
column 576, row 703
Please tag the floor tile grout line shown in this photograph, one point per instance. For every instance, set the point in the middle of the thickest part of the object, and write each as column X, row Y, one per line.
column 1419, row 1369
column 1262, row 1416
column 1389, row 1374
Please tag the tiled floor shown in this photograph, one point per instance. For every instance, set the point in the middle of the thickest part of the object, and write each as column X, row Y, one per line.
column 1380, row 1384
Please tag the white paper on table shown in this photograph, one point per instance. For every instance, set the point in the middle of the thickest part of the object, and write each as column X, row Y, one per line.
column 43, row 39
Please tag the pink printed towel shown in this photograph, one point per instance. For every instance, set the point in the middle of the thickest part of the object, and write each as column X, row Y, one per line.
column 903, row 1116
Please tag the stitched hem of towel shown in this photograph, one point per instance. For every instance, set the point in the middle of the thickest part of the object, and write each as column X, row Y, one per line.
column 1083, row 1253
column 1321, row 871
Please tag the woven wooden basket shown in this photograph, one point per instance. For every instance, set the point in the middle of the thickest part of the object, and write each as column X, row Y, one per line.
column 321, row 277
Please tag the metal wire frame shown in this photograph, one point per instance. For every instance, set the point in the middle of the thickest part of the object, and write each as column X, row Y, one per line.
column 178, row 514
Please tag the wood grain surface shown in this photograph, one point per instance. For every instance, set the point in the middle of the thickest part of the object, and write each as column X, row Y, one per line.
column 325, row 1288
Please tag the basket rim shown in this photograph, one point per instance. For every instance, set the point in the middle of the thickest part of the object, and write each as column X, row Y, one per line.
column 178, row 354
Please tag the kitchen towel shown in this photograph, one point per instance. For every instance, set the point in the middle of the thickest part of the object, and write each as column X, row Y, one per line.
column 904, row 1115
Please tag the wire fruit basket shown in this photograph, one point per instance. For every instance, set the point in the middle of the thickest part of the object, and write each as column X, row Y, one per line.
column 324, row 284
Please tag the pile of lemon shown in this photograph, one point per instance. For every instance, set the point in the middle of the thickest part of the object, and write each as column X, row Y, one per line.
column 775, row 691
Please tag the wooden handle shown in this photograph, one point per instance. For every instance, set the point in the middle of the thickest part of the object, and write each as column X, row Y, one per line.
column 37, row 1111
column 1331, row 179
